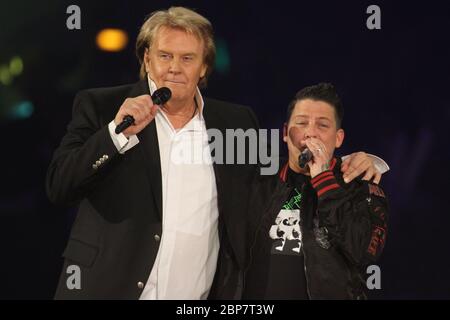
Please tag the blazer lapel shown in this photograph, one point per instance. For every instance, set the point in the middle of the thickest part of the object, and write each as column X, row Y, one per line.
column 228, row 218
column 214, row 121
column 149, row 148
column 150, row 152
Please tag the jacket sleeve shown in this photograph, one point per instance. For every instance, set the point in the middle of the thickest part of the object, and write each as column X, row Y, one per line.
column 355, row 218
column 85, row 152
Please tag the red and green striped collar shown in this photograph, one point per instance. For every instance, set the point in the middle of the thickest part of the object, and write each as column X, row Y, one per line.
column 284, row 170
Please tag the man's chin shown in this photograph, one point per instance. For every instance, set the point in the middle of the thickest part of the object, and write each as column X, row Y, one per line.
column 175, row 86
column 177, row 96
column 178, row 91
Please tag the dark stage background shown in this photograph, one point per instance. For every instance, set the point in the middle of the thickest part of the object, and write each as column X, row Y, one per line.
column 394, row 83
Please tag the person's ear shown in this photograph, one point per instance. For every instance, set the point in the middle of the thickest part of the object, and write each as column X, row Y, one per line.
column 203, row 71
column 285, row 127
column 147, row 60
column 340, row 134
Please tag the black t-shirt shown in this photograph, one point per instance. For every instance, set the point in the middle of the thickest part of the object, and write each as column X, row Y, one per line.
column 277, row 252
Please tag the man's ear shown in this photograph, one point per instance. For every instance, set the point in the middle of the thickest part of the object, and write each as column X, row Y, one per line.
column 340, row 134
column 285, row 126
column 203, row 71
column 147, row 60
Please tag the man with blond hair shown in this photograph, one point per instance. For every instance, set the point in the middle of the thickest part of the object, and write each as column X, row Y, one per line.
column 149, row 227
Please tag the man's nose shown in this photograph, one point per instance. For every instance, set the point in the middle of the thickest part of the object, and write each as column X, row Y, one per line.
column 174, row 66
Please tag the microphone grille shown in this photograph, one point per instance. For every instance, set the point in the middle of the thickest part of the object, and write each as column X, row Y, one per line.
column 161, row 96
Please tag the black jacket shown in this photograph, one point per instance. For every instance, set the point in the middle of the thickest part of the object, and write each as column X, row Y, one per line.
column 343, row 229
column 115, row 237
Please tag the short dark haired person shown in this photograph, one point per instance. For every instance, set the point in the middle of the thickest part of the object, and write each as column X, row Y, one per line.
column 311, row 235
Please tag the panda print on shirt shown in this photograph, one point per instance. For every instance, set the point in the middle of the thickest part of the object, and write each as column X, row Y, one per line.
column 286, row 230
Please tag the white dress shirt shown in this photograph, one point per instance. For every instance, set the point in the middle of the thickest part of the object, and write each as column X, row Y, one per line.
column 186, row 261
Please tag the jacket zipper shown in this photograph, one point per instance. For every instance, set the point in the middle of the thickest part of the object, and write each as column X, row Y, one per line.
column 306, row 272
column 303, row 250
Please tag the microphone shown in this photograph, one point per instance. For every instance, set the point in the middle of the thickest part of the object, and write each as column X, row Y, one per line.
column 304, row 158
column 159, row 97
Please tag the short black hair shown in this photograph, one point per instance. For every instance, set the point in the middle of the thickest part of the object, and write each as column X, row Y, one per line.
column 320, row 92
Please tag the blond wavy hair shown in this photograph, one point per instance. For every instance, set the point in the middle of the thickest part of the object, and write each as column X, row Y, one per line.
column 179, row 18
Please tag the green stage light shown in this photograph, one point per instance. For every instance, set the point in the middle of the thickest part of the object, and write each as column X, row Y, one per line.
column 5, row 75
column 16, row 66
column 222, row 63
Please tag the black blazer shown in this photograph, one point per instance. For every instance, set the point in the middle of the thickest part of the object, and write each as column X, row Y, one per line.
column 116, row 234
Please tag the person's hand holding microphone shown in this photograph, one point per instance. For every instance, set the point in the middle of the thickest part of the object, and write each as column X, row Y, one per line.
column 136, row 113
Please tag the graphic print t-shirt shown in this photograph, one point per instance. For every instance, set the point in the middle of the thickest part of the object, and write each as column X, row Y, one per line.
column 286, row 270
